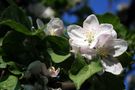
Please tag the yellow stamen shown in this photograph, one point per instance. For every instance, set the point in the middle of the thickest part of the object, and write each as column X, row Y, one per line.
column 52, row 69
column 102, row 52
column 89, row 36
column 52, row 32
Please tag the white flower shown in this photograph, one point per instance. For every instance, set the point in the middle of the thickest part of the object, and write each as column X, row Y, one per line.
column 98, row 39
column 108, row 48
column 55, row 27
column 53, row 72
column 87, row 37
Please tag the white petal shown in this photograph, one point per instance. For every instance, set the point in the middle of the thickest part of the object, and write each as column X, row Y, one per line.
column 40, row 24
column 53, row 72
column 56, row 73
column 75, row 32
column 120, row 46
column 91, row 22
column 76, row 45
column 94, row 43
column 106, row 29
column 55, row 25
column 89, row 57
column 111, row 65
column 75, row 48
column 79, row 43
column 82, row 48
column 88, row 53
column 104, row 40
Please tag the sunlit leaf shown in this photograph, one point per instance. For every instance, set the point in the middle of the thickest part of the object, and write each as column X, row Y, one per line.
column 58, row 58
column 78, row 64
column 13, row 68
column 86, row 72
column 9, row 84
column 1, row 40
column 17, row 26
column 2, row 63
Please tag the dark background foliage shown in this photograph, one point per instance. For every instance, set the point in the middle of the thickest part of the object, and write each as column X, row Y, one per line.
column 21, row 43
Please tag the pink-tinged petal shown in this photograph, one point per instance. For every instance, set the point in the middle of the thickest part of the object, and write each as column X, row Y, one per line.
column 107, row 29
column 57, row 71
column 91, row 23
column 112, row 65
column 75, row 32
column 53, row 72
column 104, row 40
column 55, row 26
column 119, row 46
column 88, row 53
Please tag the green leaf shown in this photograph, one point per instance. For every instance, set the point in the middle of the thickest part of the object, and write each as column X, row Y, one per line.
column 13, row 68
column 78, row 64
column 114, row 20
column 58, row 58
column 60, row 45
column 17, row 14
column 2, row 63
column 19, row 21
column 16, row 26
column 9, row 84
column 1, row 40
column 86, row 72
column 1, row 51
column 22, row 29
column 13, row 47
column 21, row 48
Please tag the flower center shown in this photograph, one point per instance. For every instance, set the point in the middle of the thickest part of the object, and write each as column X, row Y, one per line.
column 89, row 36
column 52, row 32
column 102, row 52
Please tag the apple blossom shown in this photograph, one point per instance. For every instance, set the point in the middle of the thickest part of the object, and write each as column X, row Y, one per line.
column 53, row 72
column 96, row 39
column 54, row 27
column 108, row 48
column 87, row 37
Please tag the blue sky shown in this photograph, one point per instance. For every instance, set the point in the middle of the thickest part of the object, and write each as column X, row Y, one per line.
column 101, row 6
column 98, row 7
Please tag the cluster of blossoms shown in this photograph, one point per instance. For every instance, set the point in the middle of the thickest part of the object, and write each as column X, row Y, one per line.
column 54, row 27
column 93, row 40
column 96, row 39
